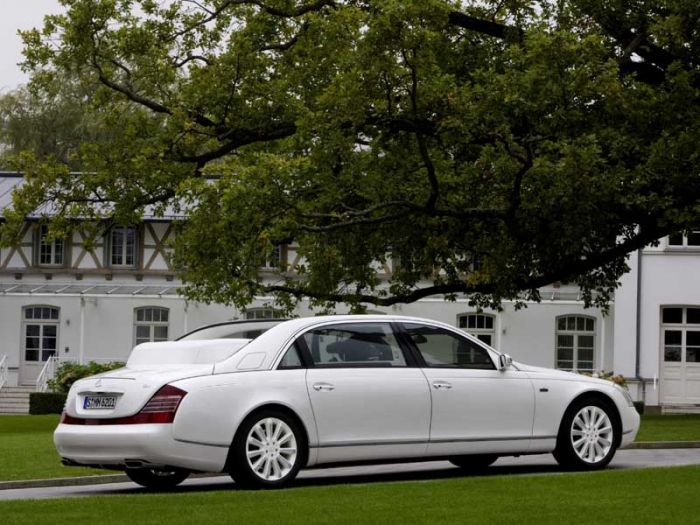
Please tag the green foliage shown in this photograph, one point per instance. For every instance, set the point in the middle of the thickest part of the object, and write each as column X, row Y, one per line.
column 46, row 403
column 484, row 148
column 68, row 373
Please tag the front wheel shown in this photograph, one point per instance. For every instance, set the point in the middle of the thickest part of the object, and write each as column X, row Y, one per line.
column 157, row 479
column 473, row 462
column 269, row 449
column 587, row 438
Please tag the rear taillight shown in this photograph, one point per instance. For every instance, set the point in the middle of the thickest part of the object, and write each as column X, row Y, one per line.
column 161, row 408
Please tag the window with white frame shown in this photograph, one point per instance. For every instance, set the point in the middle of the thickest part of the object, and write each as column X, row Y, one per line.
column 40, row 329
column 150, row 324
column 50, row 252
column 122, row 246
column 681, row 334
column 263, row 313
column 681, row 240
column 575, row 341
column 481, row 326
column 273, row 260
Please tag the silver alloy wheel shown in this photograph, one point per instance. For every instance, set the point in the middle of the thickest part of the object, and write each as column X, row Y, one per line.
column 271, row 449
column 591, row 434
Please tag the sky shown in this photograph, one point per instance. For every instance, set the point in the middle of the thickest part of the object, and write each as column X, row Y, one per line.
column 14, row 15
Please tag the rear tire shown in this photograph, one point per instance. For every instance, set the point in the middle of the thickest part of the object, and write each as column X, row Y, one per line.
column 474, row 462
column 157, row 479
column 269, row 450
column 588, row 436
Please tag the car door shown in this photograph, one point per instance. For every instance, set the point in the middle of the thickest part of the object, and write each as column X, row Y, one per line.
column 368, row 398
column 475, row 407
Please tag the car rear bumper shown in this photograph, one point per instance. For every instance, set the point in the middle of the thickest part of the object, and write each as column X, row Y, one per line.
column 119, row 446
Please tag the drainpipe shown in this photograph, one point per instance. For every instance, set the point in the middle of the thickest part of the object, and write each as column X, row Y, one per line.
column 81, row 345
column 638, row 338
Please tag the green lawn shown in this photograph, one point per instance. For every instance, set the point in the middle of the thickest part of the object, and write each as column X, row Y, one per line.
column 670, row 428
column 28, row 453
column 624, row 496
column 27, row 450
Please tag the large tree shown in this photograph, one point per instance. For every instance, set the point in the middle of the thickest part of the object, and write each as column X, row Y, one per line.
column 485, row 147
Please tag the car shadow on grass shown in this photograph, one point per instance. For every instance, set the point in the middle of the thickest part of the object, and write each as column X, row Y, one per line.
column 361, row 475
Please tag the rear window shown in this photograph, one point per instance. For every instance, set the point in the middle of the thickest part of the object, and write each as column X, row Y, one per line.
column 233, row 330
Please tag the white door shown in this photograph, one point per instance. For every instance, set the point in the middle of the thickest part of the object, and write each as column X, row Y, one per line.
column 680, row 337
column 39, row 340
column 367, row 401
column 475, row 408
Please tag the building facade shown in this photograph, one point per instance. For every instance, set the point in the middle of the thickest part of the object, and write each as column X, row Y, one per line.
column 93, row 302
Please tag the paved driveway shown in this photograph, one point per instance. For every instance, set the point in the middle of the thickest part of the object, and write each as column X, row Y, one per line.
column 542, row 464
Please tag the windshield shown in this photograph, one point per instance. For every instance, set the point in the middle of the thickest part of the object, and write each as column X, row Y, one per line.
column 231, row 330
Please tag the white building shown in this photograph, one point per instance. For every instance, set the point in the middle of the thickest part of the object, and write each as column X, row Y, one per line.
column 62, row 299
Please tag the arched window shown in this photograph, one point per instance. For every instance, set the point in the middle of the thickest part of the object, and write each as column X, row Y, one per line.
column 575, row 343
column 40, row 330
column 150, row 324
column 481, row 326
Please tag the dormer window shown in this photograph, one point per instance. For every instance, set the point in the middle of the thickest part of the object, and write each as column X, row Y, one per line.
column 680, row 240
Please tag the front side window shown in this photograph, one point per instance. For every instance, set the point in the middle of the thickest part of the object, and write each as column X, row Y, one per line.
column 354, row 345
column 575, row 336
column 441, row 348
column 40, row 327
column 150, row 324
column 123, row 246
column 51, row 253
column 480, row 326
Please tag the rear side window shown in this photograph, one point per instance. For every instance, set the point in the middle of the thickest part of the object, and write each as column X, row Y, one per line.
column 354, row 345
column 443, row 349
column 291, row 359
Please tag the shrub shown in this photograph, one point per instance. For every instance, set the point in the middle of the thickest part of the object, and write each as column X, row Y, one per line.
column 46, row 403
column 68, row 373
column 609, row 376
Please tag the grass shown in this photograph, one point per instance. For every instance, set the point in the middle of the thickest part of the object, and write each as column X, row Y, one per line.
column 684, row 427
column 667, row 495
column 27, row 450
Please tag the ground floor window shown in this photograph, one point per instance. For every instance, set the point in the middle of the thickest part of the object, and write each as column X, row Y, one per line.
column 575, row 343
column 40, row 329
column 481, row 326
column 150, row 324
column 263, row 313
column 681, row 334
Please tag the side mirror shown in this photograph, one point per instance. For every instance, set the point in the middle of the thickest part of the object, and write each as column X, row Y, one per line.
column 504, row 361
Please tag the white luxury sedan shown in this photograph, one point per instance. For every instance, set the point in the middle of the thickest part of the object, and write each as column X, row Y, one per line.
column 262, row 400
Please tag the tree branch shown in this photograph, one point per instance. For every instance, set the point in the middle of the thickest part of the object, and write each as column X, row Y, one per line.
column 485, row 27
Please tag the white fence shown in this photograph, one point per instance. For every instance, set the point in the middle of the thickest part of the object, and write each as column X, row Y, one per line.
column 4, row 371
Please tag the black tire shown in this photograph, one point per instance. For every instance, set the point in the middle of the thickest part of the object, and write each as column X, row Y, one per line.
column 587, row 457
column 242, row 471
column 157, row 479
column 475, row 462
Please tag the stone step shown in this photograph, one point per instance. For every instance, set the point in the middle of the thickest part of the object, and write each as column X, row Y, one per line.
column 680, row 409
column 14, row 395
column 14, row 410
column 14, row 403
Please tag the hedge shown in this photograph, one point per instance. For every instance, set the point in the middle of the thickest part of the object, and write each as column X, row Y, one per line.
column 46, row 403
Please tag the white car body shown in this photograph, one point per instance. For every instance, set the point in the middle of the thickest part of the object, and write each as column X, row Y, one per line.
column 349, row 414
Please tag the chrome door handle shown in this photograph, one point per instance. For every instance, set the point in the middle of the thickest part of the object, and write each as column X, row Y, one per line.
column 323, row 386
column 441, row 385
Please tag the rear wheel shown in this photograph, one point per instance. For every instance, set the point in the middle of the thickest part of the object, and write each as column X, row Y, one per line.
column 157, row 479
column 269, row 449
column 474, row 462
column 587, row 438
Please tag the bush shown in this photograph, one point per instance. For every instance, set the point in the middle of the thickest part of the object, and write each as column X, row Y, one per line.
column 639, row 405
column 46, row 403
column 68, row 373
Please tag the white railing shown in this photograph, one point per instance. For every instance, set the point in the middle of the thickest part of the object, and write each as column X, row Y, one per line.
column 4, row 371
column 51, row 366
column 47, row 373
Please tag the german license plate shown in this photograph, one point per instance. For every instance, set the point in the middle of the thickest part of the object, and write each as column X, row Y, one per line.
column 96, row 402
